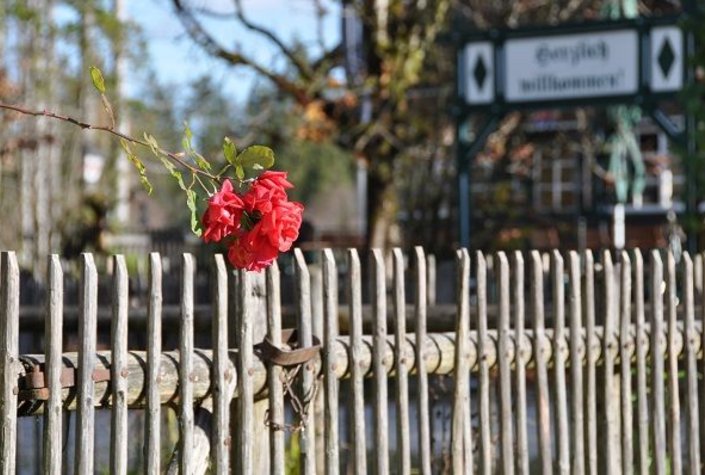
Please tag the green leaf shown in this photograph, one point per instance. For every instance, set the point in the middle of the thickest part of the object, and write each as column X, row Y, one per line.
column 97, row 78
column 191, row 197
column 146, row 184
column 230, row 151
column 256, row 157
column 153, row 144
column 137, row 163
column 173, row 171
column 201, row 161
column 239, row 172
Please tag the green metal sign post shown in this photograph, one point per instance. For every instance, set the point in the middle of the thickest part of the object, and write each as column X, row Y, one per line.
column 639, row 62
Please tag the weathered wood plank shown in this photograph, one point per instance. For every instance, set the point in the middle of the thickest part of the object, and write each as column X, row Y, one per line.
column 658, row 410
column 642, row 347
column 522, row 355
column 625, row 351
column 9, row 355
column 401, row 383
column 222, row 372
column 53, row 330
column 277, row 448
column 541, row 348
column 186, row 418
column 331, row 389
column 504, row 357
column 591, row 354
column 85, row 428
column 307, row 437
column 483, row 366
column 118, row 368
column 693, row 424
column 245, row 369
column 317, row 330
column 152, row 442
column 359, row 450
column 461, row 375
column 421, row 303
column 674, row 413
column 559, row 357
column 610, row 343
column 576, row 370
column 378, row 291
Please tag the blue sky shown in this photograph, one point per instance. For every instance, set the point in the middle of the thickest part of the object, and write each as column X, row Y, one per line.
column 177, row 60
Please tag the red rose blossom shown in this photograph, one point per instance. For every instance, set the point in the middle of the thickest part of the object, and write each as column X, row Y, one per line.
column 275, row 232
column 222, row 218
column 262, row 222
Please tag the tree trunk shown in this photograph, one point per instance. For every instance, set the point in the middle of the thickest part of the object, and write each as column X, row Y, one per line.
column 382, row 210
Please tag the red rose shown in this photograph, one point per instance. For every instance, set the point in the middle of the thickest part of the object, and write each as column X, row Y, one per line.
column 252, row 251
column 222, row 217
column 275, row 182
column 275, row 232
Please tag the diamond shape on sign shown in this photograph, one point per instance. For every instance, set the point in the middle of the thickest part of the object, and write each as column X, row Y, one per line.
column 479, row 72
column 666, row 57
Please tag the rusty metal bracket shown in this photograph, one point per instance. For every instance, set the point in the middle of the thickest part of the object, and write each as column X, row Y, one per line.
column 290, row 354
column 32, row 386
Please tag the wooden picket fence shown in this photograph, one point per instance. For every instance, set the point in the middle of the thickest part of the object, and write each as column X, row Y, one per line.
column 610, row 348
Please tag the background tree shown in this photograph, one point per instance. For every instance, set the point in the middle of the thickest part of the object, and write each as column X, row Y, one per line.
column 369, row 114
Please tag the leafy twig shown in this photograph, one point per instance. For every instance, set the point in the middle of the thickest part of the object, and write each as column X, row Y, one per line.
column 175, row 157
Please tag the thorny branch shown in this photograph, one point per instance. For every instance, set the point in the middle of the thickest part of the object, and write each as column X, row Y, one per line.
column 175, row 157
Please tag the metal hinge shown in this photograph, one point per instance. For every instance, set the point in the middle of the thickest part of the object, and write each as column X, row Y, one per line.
column 32, row 386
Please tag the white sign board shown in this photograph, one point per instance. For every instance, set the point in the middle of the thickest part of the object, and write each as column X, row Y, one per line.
column 666, row 48
column 479, row 71
column 571, row 66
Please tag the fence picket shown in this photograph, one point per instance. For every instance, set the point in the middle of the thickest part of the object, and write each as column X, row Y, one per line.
column 245, row 412
column 401, row 394
column 274, row 374
column 559, row 355
column 85, row 429
column 461, row 392
column 657, row 370
column 330, row 321
column 359, row 452
column 541, row 348
column 691, row 368
column 186, row 423
column 483, row 366
column 317, row 330
column 152, row 443
column 222, row 373
column 9, row 349
column 674, row 413
column 303, row 300
column 642, row 345
column 420, row 304
column 625, row 352
column 576, row 367
column 378, row 294
column 53, row 330
column 118, row 368
column 504, row 359
column 610, row 440
column 522, row 351
column 591, row 354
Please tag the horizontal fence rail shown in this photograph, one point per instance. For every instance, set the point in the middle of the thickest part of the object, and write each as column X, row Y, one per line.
column 559, row 362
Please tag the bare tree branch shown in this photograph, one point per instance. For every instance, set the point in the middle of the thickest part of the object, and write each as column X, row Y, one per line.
column 303, row 67
column 175, row 157
column 211, row 46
